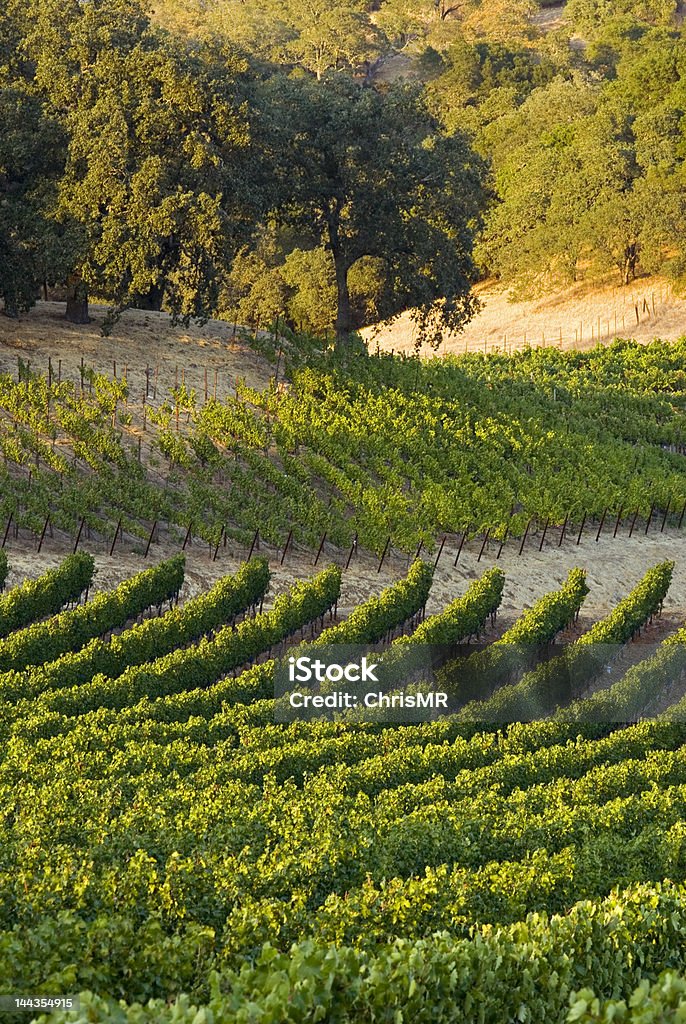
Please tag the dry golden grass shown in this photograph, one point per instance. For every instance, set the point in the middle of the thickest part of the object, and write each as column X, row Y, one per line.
column 571, row 318
column 141, row 340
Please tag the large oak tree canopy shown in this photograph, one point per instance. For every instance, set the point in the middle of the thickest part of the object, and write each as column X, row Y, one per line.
column 371, row 175
column 156, row 170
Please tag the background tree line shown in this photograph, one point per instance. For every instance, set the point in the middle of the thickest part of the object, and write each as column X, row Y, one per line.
column 248, row 158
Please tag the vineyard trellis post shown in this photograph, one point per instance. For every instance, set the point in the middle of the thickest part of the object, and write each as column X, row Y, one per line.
column 505, row 536
column 79, row 532
column 485, row 542
column 114, row 539
column 222, row 534
column 650, row 517
column 383, row 555
column 602, row 523
column 152, row 534
column 526, row 534
column 321, row 547
column 289, row 538
column 7, row 529
column 353, row 549
column 562, row 534
column 545, row 530
column 619, row 519
column 188, row 539
column 581, row 529
column 43, row 532
column 633, row 523
column 440, row 551
column 255, row 542
column 462, row 543
column 664, row 518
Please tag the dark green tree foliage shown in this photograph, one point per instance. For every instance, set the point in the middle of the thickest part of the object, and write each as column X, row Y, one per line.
column 289, row 277
column 372, row 176
column 31, row 158
column 588, row 16
column 481, row 81
column 589, row 173
column 154, row 170
column 316, row 35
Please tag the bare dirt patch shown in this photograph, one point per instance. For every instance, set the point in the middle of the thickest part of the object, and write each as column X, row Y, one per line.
column 614, row 566
column 576, row 317
column 548, row 19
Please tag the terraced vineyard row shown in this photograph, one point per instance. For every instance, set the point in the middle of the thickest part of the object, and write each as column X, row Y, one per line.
column 162, row 820
column 548, row 434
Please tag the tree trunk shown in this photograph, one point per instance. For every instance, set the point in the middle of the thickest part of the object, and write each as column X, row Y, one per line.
column 11, row 309
column 344, row 318
column 152, row 299
column 443, row 8
column 77, row 301
column 630, row 261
